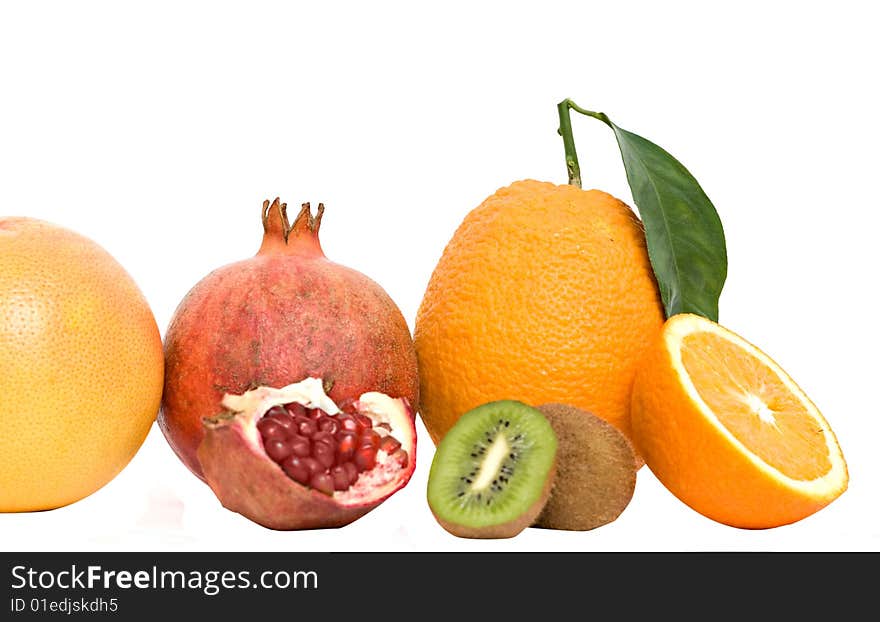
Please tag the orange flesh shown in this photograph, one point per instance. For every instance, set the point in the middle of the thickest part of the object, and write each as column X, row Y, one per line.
column 753, row 403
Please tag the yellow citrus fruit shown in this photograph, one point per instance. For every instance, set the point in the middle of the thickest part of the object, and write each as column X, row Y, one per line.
column 726, row 430
column 80, row 366
column 544, row 294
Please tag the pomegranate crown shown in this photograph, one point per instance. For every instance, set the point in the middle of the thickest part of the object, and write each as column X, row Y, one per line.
column 278, row 232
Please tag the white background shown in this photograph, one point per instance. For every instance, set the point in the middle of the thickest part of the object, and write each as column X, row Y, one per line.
column 158, row 129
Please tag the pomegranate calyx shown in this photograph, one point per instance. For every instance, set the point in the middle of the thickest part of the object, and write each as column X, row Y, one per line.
column 297, row 238
column 302, row 238
column 276, row 226
column 306, row 222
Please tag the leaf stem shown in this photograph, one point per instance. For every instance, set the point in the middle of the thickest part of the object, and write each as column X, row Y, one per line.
column 571, row 158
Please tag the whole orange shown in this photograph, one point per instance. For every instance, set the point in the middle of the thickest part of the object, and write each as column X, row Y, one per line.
column 80, row 366
column 544, row 294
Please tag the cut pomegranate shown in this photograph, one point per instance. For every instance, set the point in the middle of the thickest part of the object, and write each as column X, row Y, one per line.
column 284, row 314
column 290, row 459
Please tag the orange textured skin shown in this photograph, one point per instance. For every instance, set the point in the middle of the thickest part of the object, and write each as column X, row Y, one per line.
column 80, row 366
column 694, row 459
column 544, row 294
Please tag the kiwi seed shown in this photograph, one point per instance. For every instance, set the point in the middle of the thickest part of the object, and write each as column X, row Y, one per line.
column 596, row 471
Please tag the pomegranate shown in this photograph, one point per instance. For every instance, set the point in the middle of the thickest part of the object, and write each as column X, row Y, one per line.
column 289, row 458
column 285, row 314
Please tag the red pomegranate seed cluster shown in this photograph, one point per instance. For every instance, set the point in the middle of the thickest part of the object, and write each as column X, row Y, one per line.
column 324, row 452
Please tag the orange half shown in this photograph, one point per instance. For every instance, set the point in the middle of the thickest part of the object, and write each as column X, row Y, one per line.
column 726, row 430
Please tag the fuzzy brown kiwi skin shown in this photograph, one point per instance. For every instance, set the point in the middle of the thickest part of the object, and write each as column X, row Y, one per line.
column 594, row 483
column 510, row 528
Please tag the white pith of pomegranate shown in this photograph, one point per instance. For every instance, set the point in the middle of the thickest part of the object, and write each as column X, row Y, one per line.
column 262, row 457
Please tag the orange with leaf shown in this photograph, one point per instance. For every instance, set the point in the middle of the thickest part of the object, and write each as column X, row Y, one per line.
column 556, row 294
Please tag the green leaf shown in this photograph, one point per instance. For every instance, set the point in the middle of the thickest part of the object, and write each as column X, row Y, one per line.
column 684, row 235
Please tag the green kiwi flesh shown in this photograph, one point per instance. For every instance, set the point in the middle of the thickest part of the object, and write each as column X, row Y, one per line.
column 492, row 472
column 596, row 471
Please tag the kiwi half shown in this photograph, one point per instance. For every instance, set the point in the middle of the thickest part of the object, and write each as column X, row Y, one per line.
column 493, row 471
column 596, row 474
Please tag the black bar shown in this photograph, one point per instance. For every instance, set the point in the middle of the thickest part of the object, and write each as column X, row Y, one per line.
column 414, row 586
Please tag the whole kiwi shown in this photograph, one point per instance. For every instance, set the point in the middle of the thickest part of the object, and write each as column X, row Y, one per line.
column 595, row 471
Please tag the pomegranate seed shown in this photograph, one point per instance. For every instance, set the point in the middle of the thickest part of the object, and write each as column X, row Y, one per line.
column 365, row 458
column 365, row 422
column 350, row 471
column 296, row 469
column 312, row 465
column 349, row 424
column 346, row 446
column 278, row 450
column 340, row 477
column 347, row 406
column 322, row 482
column 324, row 437
column 300, row 446
column 370, row 439
column 389, row 444
column 296, row 409
column 270, row 430
column 316, row 413
column 328, row 424
column 275, row 410
column 324, row 454
column 282, row 419
column 307, row 427
column 401, row 456
column 343, row 433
